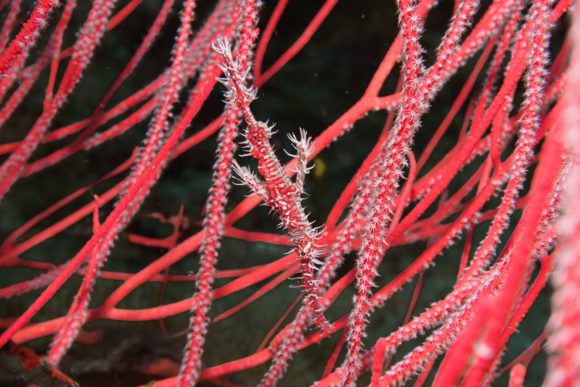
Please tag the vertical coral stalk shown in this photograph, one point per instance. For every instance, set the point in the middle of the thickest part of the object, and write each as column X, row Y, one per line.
column 564, row 337
column 30, row 75
column 144, row 47
column 406, row 124
column 129, row 203
column 83, row 51
column 173, row 85
column 9, row 21
column 536, row 78
column 14, row 55
column 214, row 220
column 78, row 311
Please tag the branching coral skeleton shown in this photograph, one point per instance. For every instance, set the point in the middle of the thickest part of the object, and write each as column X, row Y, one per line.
column 515, row 157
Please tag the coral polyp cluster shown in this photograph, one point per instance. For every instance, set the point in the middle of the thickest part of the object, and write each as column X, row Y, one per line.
column 499, row 202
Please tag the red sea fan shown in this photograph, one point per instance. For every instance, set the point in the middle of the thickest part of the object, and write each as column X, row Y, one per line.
column 512, row 212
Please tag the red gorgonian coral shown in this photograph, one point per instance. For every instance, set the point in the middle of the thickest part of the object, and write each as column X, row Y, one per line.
column 504, row 190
